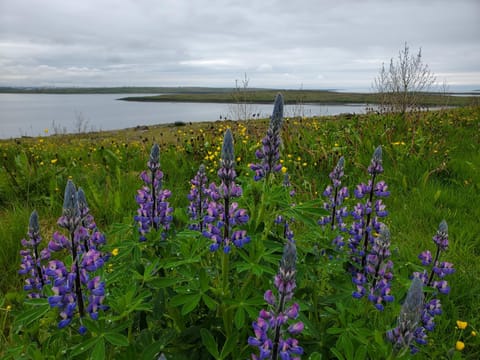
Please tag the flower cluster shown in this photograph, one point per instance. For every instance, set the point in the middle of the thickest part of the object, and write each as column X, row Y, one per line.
column 368, row 249
column 223, row 215
column 73, row 283
column 198, row 197
column 433, row 276
column 269, row 154
column 336, row 195
column 154, row 209
column 31, row 264
column 408, row 332
column 76, row 286
column 271, row 329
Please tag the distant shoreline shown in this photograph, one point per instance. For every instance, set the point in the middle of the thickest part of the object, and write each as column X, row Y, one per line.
column 251, row 95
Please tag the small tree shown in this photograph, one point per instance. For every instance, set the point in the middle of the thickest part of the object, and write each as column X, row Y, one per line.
column 400, row 87
column 242, row 107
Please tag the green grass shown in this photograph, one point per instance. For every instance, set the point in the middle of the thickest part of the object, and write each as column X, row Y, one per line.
column 432, row 168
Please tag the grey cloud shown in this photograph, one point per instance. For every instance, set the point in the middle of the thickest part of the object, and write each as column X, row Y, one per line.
column 211, row 42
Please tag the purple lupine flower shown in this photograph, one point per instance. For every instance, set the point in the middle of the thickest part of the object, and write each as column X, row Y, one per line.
column 433, row 277
column 32, row 259
column 378, row 270
column 409, row 331
column 154, row 209
column 336, row 196
column 269, row 329
column 198, row 198
column 363, row 242
column 223, row 215
column 72, row 288
column 269, row 155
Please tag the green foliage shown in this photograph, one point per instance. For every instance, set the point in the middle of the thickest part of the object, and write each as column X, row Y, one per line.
column 174, row 297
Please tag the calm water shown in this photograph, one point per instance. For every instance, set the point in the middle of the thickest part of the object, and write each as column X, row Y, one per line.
column 32, row 114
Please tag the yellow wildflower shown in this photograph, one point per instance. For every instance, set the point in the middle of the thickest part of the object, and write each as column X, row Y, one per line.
column 9, row 307
column 115, row 252
column 284, row 169
column 54, row 161
column 474, row 333
column 239, row 159
column 462, row 324
column 459, row 345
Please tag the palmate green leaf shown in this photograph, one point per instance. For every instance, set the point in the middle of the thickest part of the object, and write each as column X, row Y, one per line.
column 239, row 318
column 116, row 339
column 209, row 302
column 228, row 347
column 29, row 316
column 209, row 342
column 161, row 283
column 337, row 354
column 308, row 212
column 84, row 346
column 98, row 352
column 190, row 306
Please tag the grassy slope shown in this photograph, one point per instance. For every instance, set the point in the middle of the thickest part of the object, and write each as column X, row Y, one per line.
column 432, row 167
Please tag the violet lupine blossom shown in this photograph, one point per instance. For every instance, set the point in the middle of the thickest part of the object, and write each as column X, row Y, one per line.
column 223, row 215
column 409, row 332
column 154, row 209
column 433, row 276
column 336, row 195
column 379, row 270
column 367, row 224
column 76, row 289
column 269, row 154
column 32, row 260
column 272, row 329
column 198, row 197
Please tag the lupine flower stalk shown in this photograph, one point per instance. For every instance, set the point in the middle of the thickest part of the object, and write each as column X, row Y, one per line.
column 367, row 225
column 379, row 270
column 409, row 331
column 336, row 194
column 198, row 197
column 77, row 287
column 272, row 330
column 433, row 276
column 32, row 260
column 224, row 215
column 154, row 209
column 269, row 154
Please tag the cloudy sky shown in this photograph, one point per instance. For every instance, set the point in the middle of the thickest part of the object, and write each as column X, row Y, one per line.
column 316, row 44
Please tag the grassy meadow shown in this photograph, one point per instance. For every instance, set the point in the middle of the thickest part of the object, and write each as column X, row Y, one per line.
column 175, row 297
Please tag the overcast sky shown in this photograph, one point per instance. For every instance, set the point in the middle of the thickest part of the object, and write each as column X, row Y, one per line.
column 316, row 44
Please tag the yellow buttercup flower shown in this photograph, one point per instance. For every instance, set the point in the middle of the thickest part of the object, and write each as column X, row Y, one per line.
column 115, row 252
column 474, row 333
column 462, row 324
column 459, row 345
column 284, row 169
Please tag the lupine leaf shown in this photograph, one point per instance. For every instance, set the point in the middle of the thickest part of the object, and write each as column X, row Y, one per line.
column 337, row 353
column 239, row 318
column 116, row 339
column 192, row 304
column 209, row 342
column 98, row 352
column 84, row 346
column 228, row 347
column 29, row 316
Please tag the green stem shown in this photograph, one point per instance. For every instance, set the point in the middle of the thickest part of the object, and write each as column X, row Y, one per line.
column 225, row 271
